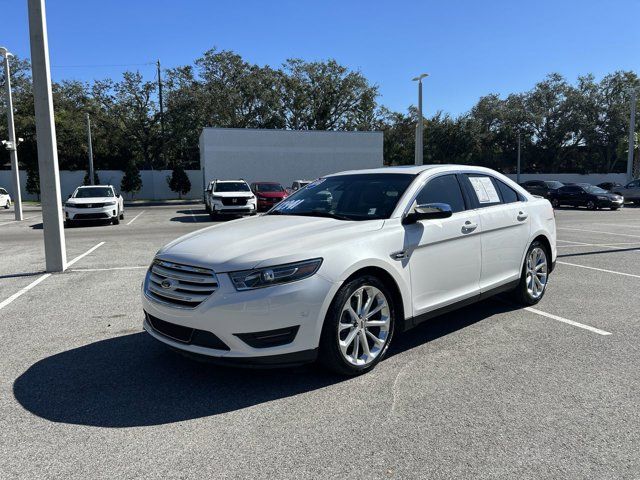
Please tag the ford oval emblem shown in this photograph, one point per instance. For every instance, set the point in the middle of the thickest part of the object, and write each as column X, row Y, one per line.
column 166, row 283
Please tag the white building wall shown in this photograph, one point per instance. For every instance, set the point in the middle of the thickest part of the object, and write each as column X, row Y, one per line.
column 154, row 183
column 285, row 155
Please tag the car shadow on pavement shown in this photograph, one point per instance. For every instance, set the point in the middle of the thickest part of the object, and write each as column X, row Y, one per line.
column 195, row 215
column 133, row 380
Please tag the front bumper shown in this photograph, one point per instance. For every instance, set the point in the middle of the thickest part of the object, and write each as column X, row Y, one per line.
column 267, row 203
column 95, row 214
column 236, row 318
column 248, row 209
column 611, row 203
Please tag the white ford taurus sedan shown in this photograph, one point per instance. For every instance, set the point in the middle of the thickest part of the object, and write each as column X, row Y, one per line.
column 338, row 268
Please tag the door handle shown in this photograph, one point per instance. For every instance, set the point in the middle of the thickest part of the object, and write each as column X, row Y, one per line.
column 522, row 216
column 469, row 227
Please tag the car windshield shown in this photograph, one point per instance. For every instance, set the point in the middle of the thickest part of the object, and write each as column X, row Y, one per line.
column 593, row 189
column 553, row 184
column 93, row 192
column 366, row 196
column 269, row 187
column 231, row 187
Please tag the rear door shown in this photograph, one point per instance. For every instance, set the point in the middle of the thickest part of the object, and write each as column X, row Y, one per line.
column 632, row 190
column 505, row 223
column 444, row 254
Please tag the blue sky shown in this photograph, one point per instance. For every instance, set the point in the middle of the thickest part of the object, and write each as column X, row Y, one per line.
column 470, row 48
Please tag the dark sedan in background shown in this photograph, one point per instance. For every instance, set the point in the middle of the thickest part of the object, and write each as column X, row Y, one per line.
column 541, row 187
column 268, row 194
column 610, row 186
column 584, row 195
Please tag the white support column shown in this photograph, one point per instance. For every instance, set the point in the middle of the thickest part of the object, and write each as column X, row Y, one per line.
column 54, row 241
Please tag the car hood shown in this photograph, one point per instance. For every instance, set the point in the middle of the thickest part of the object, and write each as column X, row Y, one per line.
column 233, row 194
column 92, row 200
column 263, row 240
column 271, row 194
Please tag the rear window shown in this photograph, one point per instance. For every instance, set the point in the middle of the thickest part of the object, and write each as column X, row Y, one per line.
column 509, row 195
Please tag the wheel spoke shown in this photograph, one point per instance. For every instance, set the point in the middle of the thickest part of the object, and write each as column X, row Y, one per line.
column 541, row 266
column 343, row 326
column 375, row 310
column 376, row 323
column 367, row 304
column 365, row 344
column 358, row 296
column 376, row 340
column 356, row 348
column 349, row 340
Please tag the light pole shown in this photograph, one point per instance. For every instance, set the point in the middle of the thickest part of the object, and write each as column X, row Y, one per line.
column 518, row 167
column 632, row 131
column 91, row 175
column 12, row 144
column 420, row 126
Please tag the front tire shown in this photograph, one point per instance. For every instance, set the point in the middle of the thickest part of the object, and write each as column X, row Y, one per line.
column 116, row 220
column 591, row 205
column 7, row 205
column 359, row 326
column 534, row 276
column 555, row 203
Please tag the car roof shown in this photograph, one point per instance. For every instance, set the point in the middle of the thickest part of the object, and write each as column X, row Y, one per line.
column 266, row 183
column 231, row 181
column 93, row 186
column 418, row 169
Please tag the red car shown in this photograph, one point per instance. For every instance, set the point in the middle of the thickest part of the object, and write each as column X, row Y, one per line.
column 268, row 194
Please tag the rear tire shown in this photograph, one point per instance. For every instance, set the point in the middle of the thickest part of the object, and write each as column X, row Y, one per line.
column 534, row 276
column 122, row 215
column 359, row 327
column 555, row 203
column 591, row 205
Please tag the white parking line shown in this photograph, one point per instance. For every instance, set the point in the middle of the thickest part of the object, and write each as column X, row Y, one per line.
column 80, row 257
column 599, row 231
column 106, row 269
column 24, row 290
column 599, row 269
column 14, row 221
column 193, row 217
column 567, row 321
column 134, row 218
column 44, row 277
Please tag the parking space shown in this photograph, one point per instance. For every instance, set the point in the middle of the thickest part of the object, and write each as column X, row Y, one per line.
column 489, row 391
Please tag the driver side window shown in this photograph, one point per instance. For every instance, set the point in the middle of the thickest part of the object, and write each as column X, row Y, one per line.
column 443, row 189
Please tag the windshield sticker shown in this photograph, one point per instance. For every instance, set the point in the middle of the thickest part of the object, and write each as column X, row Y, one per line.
column 315, row 183
column 485, row 191
column 289, row 204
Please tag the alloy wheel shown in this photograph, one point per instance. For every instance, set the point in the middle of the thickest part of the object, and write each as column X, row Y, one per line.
column 364, row 326
column 536, row 272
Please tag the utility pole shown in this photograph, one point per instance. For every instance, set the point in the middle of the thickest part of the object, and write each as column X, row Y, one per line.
column 518, row 167
column 632, row 136
column 420, row 127
column 91, row 174
column 54, row 242
column 12, row 144
column 161, row 114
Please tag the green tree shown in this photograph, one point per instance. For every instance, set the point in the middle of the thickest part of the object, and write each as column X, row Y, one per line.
column 33, row 181
column 179, row 181
column 96, row 178
column 131, row 181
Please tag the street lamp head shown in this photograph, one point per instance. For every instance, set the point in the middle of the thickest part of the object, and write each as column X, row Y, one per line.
column 4, row 52
column 420, row 77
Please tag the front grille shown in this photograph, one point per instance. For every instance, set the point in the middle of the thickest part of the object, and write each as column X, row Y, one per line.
column 90, row 216
column 233, row 201
column 190, row 336
column 180, row 285
column 89, row 205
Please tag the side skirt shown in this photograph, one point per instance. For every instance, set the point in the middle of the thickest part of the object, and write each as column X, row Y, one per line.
column 412, row 322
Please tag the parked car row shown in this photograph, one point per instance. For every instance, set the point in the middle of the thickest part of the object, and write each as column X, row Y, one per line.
column 611, row 195
column 239, row 198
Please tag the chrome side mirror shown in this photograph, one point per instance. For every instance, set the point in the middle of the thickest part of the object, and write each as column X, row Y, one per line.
column 428, row 211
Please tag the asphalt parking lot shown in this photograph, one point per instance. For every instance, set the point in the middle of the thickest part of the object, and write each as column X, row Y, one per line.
column 489, row 391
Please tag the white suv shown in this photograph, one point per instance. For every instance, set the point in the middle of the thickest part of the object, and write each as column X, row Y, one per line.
column 333, row 271
column 94, row 203
column 5, row 199
column 229, row 197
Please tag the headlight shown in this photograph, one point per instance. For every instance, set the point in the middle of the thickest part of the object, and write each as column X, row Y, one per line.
column 70, row 205
column 277, row 275
column 602, row 198
column 110, row 203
